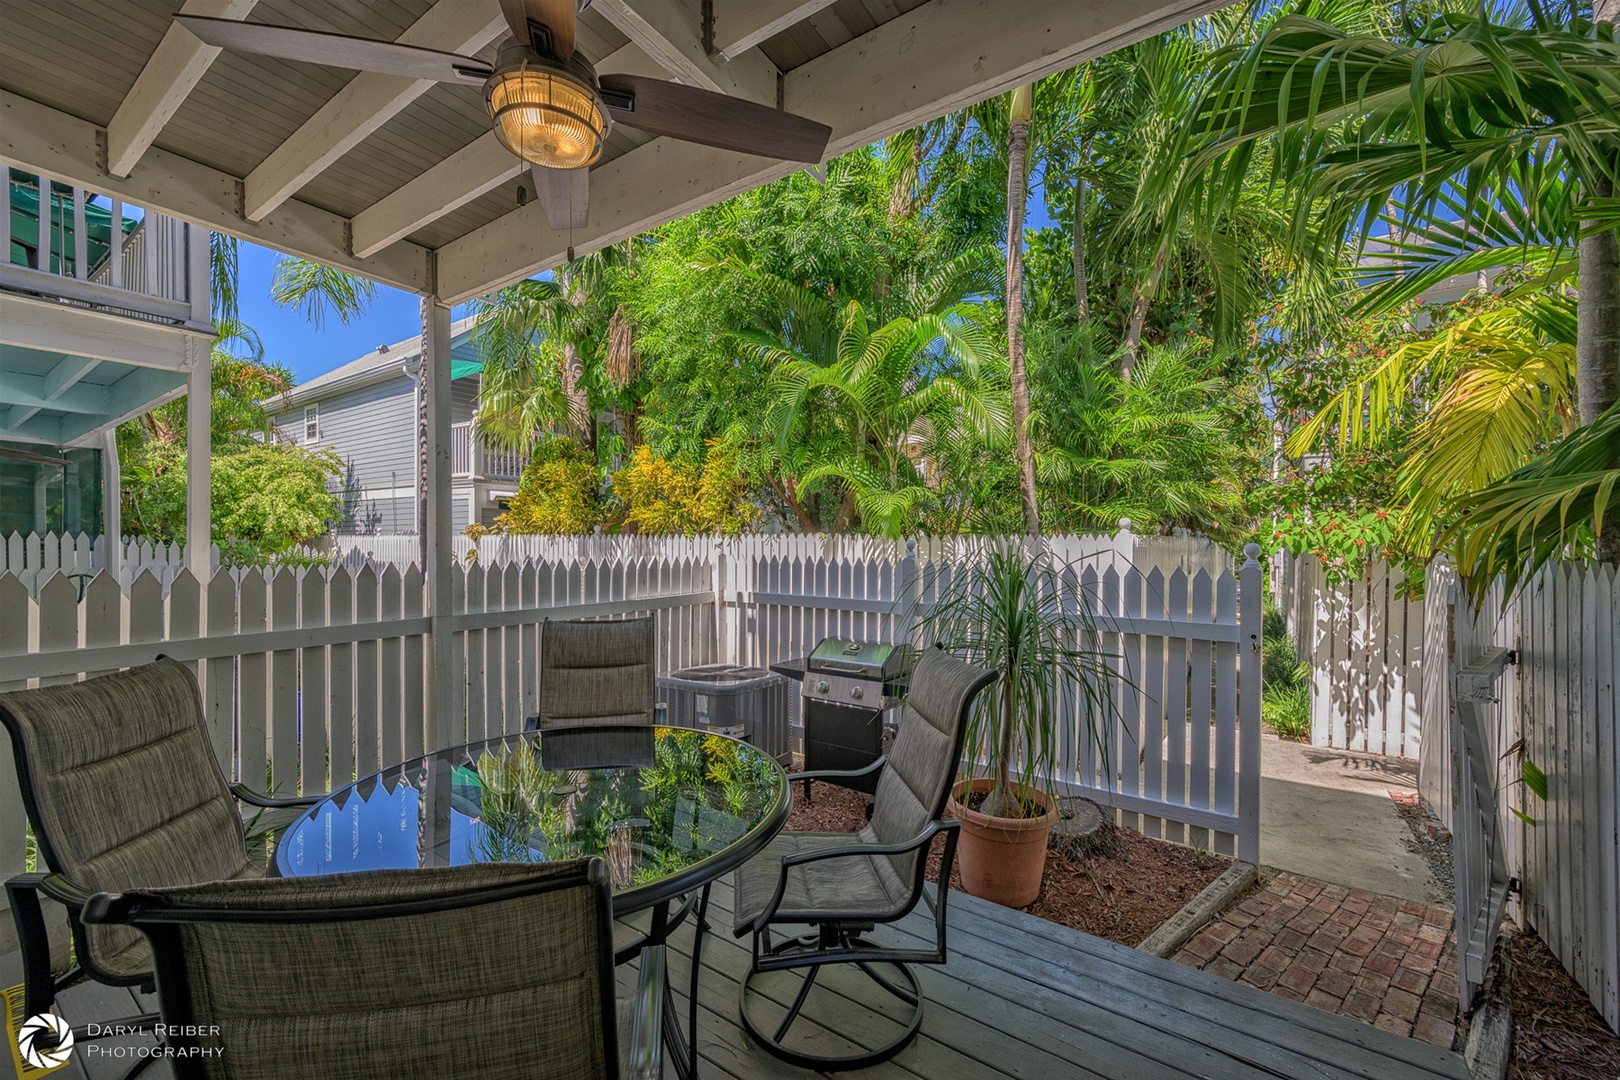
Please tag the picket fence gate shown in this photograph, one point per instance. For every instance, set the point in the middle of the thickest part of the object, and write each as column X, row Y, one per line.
column 1533, row 678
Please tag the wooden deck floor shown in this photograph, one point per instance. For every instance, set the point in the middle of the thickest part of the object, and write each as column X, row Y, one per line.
column 1022, row 998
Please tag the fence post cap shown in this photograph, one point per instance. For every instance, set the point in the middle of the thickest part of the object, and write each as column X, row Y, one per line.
column 1252, row 550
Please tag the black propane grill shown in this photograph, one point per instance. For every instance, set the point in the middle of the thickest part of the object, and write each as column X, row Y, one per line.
column 845, row 687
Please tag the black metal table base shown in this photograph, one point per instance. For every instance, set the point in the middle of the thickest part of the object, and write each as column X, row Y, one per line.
column 681, row 1046
column 905, row 989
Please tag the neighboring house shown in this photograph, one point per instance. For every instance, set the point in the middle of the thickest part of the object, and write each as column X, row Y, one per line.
column 366, row 411
column 104, row 314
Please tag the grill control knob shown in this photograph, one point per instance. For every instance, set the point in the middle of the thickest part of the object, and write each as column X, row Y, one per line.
column 822, row 687
column 857, row 692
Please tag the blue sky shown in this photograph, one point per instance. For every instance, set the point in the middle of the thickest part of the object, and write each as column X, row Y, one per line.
column 290, row 339
column 393, row 315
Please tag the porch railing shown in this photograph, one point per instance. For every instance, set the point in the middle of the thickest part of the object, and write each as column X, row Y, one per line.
column 158, row 270
column 471, row 458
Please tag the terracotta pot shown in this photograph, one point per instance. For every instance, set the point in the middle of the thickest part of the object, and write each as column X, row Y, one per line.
column 1002, row 859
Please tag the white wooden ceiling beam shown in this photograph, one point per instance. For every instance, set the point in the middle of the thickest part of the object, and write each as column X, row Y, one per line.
column 367, row 103
column 669, row 33
column 39, row 139
column 479, row 167
column 175, row 66
column 739, row 25
column 933, row 60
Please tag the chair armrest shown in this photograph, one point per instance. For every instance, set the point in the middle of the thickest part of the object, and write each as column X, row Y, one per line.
column 801, row 858
column 253, row 798
column 841, row 774
column 933, row 829
column 23, row 892
column 646, row 1046
column 55, row 886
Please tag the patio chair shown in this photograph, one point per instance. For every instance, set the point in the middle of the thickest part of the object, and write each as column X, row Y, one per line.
column 844, row 885
column 486, row 972
column 596, row 674
column 122, row 790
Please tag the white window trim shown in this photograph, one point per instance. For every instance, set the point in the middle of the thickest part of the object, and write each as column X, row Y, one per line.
column 312, row 423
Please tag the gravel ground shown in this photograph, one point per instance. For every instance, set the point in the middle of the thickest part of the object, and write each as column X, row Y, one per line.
column 1431, row 842
column 1123, row 897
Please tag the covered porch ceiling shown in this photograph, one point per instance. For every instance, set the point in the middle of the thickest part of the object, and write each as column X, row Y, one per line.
column 402, row 180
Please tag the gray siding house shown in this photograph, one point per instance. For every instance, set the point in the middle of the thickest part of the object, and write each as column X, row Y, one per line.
column 365, row 411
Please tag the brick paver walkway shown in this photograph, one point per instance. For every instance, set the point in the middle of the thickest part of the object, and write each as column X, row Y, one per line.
column 1379, row 959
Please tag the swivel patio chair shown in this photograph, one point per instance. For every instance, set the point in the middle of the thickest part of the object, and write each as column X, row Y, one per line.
column 122, row 790
column 844, row 885
column 485, row 972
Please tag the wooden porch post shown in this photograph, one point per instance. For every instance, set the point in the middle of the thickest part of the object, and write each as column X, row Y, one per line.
column 199, row 456
column 442, row 727
column 112, row 497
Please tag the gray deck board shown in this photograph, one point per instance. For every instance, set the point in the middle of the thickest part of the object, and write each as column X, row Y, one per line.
column 1021, row 998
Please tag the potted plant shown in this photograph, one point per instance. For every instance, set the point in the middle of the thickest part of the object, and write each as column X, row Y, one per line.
column 1019, row 614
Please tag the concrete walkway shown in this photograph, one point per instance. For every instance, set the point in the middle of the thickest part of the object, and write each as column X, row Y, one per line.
column 1327, row 814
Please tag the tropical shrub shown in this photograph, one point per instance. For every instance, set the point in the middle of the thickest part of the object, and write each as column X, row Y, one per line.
column 660, row 495
column 559, row 492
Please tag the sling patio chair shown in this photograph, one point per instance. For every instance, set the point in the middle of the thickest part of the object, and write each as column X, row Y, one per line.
column 122, row 791
column 844, row 885
column 596, row 674
column 497, row 971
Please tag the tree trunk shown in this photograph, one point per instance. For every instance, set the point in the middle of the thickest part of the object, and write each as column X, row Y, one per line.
column 579, row 408
column 1144, row 300
column 1017, row 142
column 1082, row 284
column 1597, row 337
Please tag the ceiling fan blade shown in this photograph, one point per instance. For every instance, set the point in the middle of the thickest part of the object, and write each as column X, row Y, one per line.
column 557, row 16
column 335, row 50
column 565, row 196
column 702, row 116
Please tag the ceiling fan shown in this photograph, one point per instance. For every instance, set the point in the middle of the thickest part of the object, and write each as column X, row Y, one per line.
column 547, row 103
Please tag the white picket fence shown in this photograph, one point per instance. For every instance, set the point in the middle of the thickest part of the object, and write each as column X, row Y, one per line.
column 1559, row 698
column 313, row 677
column 35, row 558
column 1364, row 644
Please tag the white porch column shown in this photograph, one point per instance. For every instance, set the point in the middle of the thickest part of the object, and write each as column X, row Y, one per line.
column 199, row 455
column 112, row 503
column 441, row 711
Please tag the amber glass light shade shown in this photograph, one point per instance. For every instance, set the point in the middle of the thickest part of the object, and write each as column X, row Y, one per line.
column 546, row 118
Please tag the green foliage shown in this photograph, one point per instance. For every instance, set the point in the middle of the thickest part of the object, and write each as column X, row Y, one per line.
column 560, row 492
column 1286, row 709
column 265, row 499
column 316, row 290
column 1159, row 445
column 1555, row 505
column 664, row 496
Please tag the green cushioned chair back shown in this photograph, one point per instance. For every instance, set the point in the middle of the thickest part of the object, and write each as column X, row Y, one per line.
column 596, row 674
column 916, row 781
column 122, row 787
column 506, row 989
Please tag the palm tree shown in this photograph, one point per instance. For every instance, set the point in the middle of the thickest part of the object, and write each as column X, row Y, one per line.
column 1468, row 114
column 1019, row 107
column 877, row 411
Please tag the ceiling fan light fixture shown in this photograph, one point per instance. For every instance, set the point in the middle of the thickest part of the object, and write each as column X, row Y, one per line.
column 547, row 115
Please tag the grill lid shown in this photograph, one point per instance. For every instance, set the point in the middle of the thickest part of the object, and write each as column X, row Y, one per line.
column 867, row 659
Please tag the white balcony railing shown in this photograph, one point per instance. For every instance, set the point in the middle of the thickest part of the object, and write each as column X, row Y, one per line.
column 471, row 459
column 157, row 271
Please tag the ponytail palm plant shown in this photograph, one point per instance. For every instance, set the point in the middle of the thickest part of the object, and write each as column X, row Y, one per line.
column 1021, row 613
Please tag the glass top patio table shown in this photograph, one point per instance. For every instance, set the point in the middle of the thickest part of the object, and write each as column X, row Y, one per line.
column 668, row 809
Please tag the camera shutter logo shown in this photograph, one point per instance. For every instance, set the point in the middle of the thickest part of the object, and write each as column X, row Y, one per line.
column 46, row 1041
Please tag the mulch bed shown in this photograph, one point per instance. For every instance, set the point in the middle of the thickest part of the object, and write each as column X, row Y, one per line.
column 1557, row 1034
column 1123, row 897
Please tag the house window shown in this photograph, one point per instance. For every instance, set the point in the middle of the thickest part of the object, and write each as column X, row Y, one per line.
column 312, row 427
